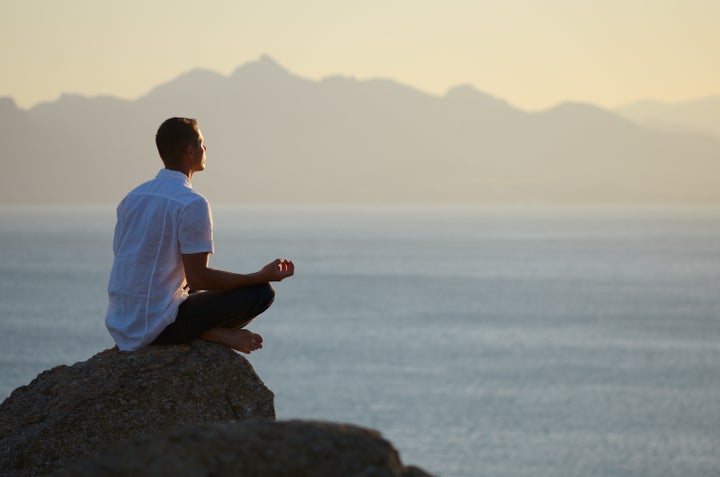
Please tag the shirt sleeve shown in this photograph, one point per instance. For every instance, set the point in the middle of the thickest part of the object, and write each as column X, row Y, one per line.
column 195, row 231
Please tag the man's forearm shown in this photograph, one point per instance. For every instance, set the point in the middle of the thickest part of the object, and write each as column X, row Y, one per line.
column 213, row 279
column 201, row 277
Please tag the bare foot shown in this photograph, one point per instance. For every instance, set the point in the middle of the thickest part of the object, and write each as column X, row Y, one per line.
column 238, row 339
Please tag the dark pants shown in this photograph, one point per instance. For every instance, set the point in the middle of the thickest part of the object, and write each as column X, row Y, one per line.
column 213, row 309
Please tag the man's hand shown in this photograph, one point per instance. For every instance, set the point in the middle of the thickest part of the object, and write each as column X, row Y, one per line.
column 277, row 270
column 200, row 277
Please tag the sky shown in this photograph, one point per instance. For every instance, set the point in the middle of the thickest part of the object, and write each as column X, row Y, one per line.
column 532, row 53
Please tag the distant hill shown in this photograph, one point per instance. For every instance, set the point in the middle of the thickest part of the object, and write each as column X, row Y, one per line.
column 699, row 115
column 275, row 137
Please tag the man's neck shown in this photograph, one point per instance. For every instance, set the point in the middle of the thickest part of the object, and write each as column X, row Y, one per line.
column 188, row 172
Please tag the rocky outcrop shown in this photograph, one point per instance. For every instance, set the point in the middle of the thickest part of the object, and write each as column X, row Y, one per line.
column 70, row 412
column 251, row 449
column 187, row 410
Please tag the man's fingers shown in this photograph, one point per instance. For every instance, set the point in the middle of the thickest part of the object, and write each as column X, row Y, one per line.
column 285, row 265
column 279, row 269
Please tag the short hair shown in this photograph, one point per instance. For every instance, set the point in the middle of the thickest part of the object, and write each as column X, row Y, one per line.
column 173, row 136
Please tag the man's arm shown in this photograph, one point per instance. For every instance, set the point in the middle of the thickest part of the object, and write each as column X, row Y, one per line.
column 201, row 277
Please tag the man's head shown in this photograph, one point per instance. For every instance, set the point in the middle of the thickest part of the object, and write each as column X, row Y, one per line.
column 179, row 141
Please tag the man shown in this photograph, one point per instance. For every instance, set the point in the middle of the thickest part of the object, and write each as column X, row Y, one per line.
column 163, row 240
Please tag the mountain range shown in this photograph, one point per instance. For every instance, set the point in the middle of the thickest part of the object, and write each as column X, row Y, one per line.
column 699, row 114
column 275, row 137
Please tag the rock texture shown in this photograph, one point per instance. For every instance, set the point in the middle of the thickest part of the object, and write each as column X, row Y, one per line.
column 69, row 412
column 251, row 449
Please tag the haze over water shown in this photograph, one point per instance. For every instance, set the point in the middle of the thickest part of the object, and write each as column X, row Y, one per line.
column 480, row 341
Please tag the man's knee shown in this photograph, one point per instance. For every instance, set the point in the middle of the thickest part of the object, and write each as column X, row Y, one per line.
column 268, row 293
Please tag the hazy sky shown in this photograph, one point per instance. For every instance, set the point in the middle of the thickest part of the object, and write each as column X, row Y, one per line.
column 533, row 53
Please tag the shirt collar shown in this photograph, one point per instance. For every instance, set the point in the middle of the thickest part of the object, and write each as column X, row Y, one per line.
column 174, row 175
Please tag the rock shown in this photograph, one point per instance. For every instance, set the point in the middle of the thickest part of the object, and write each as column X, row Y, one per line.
column 69, row 412
column 250, row 448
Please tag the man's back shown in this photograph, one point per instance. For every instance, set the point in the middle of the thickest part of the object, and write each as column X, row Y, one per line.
column 156, row 223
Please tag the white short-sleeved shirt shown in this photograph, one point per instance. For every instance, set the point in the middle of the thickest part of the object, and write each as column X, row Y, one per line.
column 156, row 223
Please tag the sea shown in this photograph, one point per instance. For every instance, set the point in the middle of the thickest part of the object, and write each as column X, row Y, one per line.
column 499, row 341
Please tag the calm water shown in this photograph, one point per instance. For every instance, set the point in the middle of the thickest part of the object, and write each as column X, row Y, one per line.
column 501, row 342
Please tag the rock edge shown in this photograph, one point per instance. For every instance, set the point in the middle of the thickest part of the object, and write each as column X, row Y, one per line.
column 69, row 412
column 251, row 448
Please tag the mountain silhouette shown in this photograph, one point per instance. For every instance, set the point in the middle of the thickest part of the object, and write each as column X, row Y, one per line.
column 700, row 114
column 275, row 137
